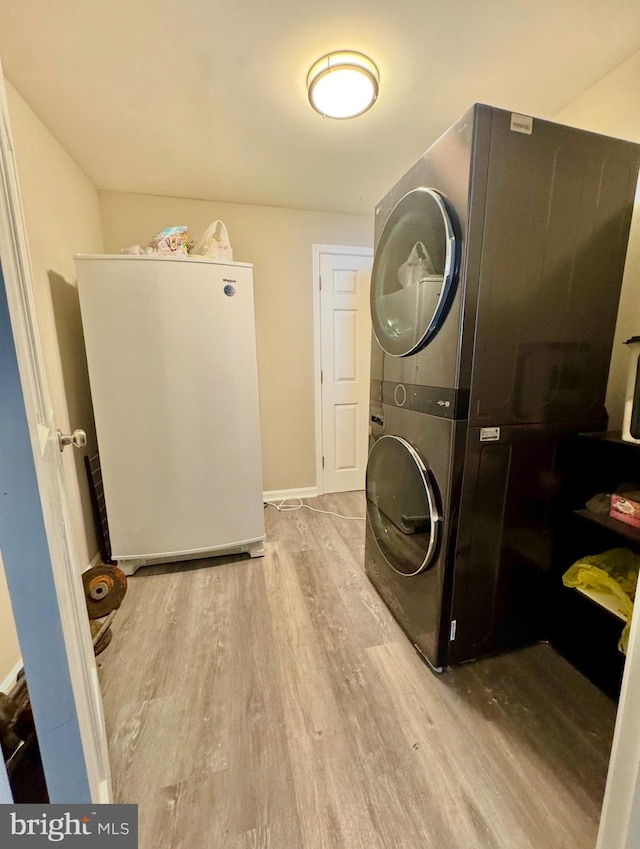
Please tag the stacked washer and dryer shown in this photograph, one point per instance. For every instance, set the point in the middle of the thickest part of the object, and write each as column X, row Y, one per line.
column 498, row 264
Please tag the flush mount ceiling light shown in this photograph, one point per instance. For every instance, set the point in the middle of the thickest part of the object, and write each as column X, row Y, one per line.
column 343, row 84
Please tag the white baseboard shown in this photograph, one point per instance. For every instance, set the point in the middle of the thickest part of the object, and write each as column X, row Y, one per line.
column 282, row 494
column 97, row 559
column 9, row 682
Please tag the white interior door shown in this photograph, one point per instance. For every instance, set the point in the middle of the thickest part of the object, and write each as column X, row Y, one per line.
column 39, row 554
column 345, row 332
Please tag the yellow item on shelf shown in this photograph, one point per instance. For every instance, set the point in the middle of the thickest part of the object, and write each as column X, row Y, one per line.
column 614, row 573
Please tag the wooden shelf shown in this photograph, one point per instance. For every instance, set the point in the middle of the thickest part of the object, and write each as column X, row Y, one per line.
column 609, row 602
column 585, row 625
column 626, row 532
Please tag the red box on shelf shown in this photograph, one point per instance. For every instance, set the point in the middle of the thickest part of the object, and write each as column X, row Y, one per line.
column 626, row 509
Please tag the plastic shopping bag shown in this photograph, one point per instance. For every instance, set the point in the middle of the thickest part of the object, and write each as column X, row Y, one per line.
column 214, row 242
column 613, row 573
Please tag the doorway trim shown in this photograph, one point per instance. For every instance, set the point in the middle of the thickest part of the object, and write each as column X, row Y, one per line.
column 52, row 625
column 318, row 250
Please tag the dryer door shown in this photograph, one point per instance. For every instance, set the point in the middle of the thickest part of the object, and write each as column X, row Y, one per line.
column 402, row 507
column 413, row 273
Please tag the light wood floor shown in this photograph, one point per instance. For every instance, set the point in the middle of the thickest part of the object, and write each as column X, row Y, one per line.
column 274, row 704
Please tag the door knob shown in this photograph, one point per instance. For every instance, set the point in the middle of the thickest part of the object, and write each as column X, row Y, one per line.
column 78, row 439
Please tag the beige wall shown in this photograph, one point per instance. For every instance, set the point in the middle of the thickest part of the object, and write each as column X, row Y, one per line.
column 62, row 217
column 9, row 647
column 612, row 106
column 279, row 244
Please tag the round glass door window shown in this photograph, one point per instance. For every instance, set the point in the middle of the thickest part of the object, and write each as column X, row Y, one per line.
column 413, row 273
column 401, row 505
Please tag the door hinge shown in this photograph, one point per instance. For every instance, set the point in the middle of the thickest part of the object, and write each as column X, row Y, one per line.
column 321, row 377
column 454, row 628
column 323, row 462
column 320, row 279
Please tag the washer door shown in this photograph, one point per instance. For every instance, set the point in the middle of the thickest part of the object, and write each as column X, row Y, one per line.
column 402, row 506
column 413, row 273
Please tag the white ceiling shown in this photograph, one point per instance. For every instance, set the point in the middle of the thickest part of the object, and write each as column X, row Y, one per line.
column 205, row 99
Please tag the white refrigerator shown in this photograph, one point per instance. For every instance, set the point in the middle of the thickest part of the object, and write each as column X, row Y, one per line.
column 171, row 353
